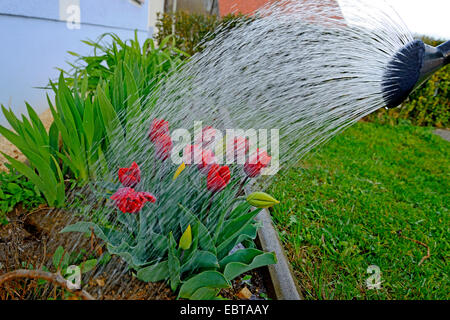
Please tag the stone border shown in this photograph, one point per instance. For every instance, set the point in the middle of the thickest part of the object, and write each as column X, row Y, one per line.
column 443, row 133
column 284, row 284
column 283, row 281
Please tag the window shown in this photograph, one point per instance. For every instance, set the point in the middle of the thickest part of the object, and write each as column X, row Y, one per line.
column 138, row 2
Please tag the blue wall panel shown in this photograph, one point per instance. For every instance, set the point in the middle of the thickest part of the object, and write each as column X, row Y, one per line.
column 32, row 48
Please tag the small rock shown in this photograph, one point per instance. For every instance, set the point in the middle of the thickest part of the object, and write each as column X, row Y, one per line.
column 244, row 294
column 100, row 282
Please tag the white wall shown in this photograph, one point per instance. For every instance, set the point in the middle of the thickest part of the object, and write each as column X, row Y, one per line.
column 154, row 7
column 35, row 42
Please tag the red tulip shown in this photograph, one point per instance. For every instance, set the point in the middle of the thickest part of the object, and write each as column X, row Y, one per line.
column 130, row 201
column 146, row 196
column 163, row 146
column 130, row 177
column 256, row 163
column 218, row 178
column 208, row 133
column 192, row 154
column 158, row 128
column 207, row 160
column 241, row 145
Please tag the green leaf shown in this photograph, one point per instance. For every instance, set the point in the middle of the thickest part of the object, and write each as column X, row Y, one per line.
column 133, row 105
column 204, row 294
column 174, row 264
column 86, row 227
column 37, row 122
column 236, row 231
column 206, row 279
column 200, row 259
column 53, row 135
column 245, row 260
column 186, row 239
column 233, row 228
column 109, row 116
column 59, row 260
column 48, row 191
column 88, row 265
column 89, row 123
column 154, row 273
column 13, row 188
column 248, row 233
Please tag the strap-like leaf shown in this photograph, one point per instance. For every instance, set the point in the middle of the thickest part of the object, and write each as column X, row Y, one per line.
column 155, row 272
column 206, row 279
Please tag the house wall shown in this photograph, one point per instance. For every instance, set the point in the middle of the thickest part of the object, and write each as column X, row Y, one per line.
column 155, row 7
column 35, row 40
column 238, row 6
column 193, row 6
column 250, row 6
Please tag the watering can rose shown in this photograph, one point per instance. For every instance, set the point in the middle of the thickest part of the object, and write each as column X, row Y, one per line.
column 261, row 200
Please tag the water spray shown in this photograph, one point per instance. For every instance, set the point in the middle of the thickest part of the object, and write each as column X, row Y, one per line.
column 298, row 69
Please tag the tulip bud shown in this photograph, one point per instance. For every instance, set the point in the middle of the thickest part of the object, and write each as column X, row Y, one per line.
column 186, row 239
column 179, row 170
column 261, row 200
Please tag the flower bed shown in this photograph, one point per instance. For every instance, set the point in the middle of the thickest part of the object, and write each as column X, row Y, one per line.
column 174, row 223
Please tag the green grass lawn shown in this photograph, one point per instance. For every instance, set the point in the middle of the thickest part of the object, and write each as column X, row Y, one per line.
column 343, row 208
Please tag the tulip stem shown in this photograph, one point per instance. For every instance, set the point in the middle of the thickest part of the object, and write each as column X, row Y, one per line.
column 209, row 206
column 222, row 217
column 142, row 225
column 241, row 187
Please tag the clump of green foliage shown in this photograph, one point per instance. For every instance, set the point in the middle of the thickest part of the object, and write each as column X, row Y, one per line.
column 185, row 240
column 192, row 30
column 112, row 60
column 100, row 95
column 14, row 189
column 428, row 105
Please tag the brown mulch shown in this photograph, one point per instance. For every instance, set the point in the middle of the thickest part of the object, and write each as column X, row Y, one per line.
column 256, row 285
column 25, row 241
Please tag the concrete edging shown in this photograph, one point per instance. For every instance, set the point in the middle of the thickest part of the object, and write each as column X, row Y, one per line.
column 284, row 284
column 283, row 280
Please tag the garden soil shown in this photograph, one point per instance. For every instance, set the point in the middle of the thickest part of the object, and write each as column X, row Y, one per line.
column 24, row 242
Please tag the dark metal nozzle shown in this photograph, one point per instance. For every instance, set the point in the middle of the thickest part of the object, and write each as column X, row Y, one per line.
column 410, row 67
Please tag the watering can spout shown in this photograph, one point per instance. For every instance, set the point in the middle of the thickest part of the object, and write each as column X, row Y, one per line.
column 410, row 67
